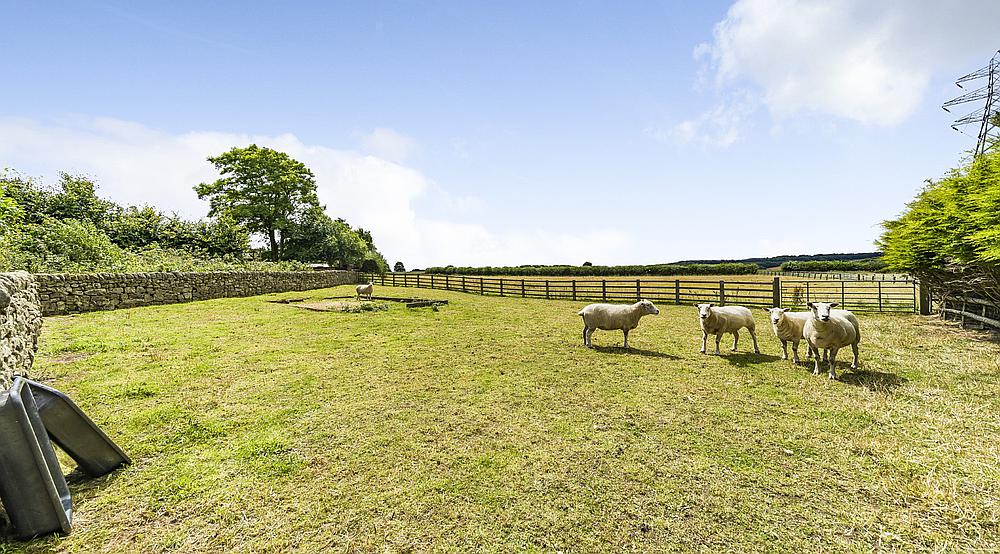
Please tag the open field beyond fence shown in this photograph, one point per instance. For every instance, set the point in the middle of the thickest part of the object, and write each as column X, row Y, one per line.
column 486, row 426
column 891, row 295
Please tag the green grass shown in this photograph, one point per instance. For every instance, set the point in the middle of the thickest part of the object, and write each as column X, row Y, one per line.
column 486, row 426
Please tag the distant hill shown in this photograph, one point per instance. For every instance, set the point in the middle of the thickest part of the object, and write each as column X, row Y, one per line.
column 775, row 261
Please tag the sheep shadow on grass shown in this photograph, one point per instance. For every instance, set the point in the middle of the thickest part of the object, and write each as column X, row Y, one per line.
column 875, row 381
column 633, row 350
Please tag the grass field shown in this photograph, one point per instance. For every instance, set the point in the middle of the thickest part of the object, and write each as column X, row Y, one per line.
column 486, row 426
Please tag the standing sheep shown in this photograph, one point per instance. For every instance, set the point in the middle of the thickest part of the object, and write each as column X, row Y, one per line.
column 831, row 330
column 728, row 319
column 365, row 290
column 787, row 326
column 614, row 316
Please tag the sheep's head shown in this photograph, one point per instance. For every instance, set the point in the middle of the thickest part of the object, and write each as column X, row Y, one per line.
column 777, row 314
column 821, row 310
column 647, row 307
column 704, row 310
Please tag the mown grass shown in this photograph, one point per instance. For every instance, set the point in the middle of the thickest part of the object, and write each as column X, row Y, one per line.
column 486, row 426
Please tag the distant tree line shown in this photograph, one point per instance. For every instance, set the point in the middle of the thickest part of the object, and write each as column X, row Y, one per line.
column 775, row 261
column 67, row 227
column 872, row 264
column 949, row 235
column 601, row 270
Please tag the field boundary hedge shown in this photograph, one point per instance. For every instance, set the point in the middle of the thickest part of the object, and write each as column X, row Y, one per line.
column 600, row 270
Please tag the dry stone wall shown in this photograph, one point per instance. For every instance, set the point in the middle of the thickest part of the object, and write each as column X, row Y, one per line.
column 88, row 292
column 20, row 323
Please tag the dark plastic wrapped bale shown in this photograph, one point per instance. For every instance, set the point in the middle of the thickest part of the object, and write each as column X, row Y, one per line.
column 75, row 433
column 32, row 486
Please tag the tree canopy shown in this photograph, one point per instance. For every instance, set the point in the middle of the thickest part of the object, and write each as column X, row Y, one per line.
column 949, row 235
column 266, row 191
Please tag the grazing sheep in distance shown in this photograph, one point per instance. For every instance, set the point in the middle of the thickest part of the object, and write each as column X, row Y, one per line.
column 365, row 290
column 614, row 316
column 788, row 326
column 727, row 319
column 831, row 330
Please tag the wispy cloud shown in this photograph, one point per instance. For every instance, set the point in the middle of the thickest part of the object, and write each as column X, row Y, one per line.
column 720, row 126
column 135, row 164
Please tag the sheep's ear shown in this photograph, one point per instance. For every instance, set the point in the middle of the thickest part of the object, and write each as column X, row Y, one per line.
column 834, row 304
column 783, row 310
column 711, row 305
column 811, row 305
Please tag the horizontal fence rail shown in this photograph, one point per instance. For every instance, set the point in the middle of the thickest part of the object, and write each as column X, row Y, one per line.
column 971, row 311
column 900, row 296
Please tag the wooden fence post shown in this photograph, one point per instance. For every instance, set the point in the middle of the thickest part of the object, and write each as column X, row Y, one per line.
column 776, row 292
column 522, row 288
column 481, row 291
column 722, row 293
column 546, row 289
column 447, row 282
column 463, row 284
column 880, row 296
column 843, row 296
column 501, row 287
column 638, row 289
column 677, row 292
column 574, row 290
column 924, row 295
column 604, row 290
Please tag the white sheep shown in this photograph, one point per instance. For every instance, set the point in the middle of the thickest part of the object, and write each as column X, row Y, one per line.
column 365, row 290
column 787, row 326
column 614, row 316
column 727, row 319
column 831, row 330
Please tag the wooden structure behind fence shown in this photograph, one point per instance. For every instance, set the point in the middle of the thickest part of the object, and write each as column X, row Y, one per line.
column 901, row 296
column 971, row 311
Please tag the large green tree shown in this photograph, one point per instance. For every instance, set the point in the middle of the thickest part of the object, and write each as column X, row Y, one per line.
column 949, row 235
column 266, row 191
column 318, row 238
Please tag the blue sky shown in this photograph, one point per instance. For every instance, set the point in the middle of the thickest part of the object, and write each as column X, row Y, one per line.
column 514, row 132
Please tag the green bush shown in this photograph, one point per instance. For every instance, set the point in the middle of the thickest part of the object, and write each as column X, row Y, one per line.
column 873, row 264
column 949, row 235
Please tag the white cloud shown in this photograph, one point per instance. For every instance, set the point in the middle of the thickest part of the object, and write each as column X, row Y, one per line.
column 866, row 61
column 134, row 164
column 721, row 126
column 389, row 144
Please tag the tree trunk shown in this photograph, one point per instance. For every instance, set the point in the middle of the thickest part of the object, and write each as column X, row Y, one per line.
column 274, row 244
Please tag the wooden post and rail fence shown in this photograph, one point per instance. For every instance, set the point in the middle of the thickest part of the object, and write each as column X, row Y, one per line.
column 896, row 295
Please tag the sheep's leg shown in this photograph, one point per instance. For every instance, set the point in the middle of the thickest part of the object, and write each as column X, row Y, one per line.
column 590, row 337
column 753, row 335
column 736, row 338
column 816, row 358
column 626, row 337
column 585, row 335
column 854, row 364
column 833, row 361
column 784, row 350
column 795, row 352
column 704, row 340
column 718, row 339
